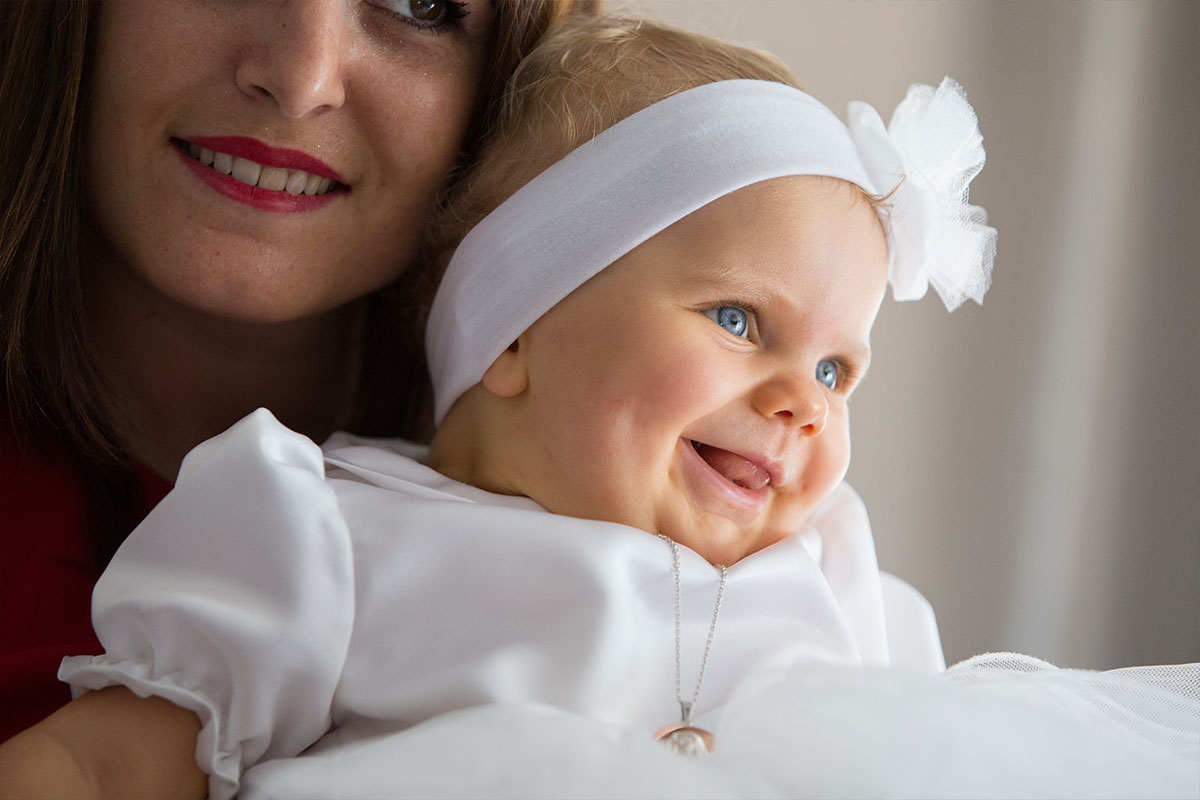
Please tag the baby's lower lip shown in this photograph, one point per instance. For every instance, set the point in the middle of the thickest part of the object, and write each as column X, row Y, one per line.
column 736, row 469
column 713, row 492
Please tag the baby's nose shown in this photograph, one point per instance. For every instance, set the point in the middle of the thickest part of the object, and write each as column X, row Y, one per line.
column 794, row 401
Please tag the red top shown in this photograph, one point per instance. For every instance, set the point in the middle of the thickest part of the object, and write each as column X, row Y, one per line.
column 46, row 578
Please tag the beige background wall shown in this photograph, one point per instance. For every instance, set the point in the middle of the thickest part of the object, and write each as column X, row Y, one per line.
column 1033, row 464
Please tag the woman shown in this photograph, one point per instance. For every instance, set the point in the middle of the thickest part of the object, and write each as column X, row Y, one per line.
column 216, row 201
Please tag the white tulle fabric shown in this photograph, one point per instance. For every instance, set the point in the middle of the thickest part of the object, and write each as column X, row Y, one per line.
column 302, row 609
column 926, row 158
column 664, row 162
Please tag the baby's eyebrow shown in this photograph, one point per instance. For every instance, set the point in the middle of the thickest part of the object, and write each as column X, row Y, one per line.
column 714, row 273
column 731, row 281
column 860, row 353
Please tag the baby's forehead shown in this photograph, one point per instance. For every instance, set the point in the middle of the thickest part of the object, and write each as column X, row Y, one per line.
column 796, row 192
column 789, row 193
column 775, row 210
column 782, row 239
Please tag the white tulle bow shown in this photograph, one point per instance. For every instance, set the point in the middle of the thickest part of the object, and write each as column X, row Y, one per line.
column 924, row 161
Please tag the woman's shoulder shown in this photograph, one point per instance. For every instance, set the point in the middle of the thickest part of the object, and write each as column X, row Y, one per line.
column 39, row 480
column 47, row 571
column 43, row 519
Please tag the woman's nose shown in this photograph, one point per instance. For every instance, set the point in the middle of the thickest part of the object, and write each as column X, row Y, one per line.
column 294, row 58
column 793, row 401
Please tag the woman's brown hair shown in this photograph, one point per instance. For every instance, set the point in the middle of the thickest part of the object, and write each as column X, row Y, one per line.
column 52, row 391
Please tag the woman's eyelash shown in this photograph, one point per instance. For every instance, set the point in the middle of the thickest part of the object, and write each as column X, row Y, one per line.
column 455, row 11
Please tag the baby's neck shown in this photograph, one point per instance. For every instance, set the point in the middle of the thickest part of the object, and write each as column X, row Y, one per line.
column 462, row 449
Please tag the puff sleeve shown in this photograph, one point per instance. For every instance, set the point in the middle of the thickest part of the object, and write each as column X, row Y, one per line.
column 234, row 599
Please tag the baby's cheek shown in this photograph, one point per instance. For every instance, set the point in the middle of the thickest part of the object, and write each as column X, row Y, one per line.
column 693, row 380
column 830, row 457
column 825, row 468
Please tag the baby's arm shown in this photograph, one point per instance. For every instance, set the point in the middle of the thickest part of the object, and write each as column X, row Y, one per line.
column 109, row 743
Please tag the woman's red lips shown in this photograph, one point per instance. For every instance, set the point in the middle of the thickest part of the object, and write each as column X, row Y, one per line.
column 267, row 156
column 265, row 178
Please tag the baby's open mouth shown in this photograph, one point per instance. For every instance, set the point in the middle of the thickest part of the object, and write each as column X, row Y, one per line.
column 277, row 179
column 734, row 468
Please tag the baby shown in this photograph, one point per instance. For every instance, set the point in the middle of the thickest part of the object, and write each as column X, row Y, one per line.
column 665, row 271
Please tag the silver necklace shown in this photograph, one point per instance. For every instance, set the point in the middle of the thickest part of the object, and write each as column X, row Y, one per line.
column 684, row 738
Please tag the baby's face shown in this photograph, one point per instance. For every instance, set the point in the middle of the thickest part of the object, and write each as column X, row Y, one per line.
column 698, row 386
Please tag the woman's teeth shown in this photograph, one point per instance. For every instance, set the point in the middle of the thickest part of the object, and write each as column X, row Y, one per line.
column 277, row 179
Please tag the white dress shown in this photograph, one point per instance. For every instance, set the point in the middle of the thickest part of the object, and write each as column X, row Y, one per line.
column 354, row 624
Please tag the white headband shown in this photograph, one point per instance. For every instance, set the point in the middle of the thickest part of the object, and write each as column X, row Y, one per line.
column 660, row 164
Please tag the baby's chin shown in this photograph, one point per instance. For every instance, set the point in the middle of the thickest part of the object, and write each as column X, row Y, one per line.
column 718, row 540
column 724, row 548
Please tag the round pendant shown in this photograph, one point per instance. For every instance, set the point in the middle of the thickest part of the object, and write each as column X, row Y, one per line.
column 686, row 741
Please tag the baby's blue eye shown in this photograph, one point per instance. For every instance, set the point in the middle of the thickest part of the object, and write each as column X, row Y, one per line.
column 827, row 373
column 731, row 318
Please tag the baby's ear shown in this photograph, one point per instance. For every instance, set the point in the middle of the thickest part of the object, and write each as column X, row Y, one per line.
column 508, row 376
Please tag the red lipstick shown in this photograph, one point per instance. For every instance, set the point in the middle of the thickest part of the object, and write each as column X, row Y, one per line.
column 254, row 150
column 267, row 156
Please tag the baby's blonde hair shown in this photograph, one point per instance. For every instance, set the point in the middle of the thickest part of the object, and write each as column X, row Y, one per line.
column 583, row 78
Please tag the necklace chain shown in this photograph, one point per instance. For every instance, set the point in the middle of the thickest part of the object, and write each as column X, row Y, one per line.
column 685, row 708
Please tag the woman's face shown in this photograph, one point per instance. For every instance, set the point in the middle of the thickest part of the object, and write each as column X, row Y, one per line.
column 337, row 121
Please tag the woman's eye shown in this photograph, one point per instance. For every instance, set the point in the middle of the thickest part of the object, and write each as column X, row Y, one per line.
column 827, row 373
column 427, row 13
column 731, row 318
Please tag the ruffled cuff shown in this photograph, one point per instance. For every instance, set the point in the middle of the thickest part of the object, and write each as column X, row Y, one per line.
column 91, row 673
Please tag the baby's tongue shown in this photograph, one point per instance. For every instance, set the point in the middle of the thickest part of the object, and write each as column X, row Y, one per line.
column 744, row 473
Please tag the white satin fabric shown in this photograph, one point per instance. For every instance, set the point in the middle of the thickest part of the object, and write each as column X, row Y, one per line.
column 997, row 726
column 288, row 608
